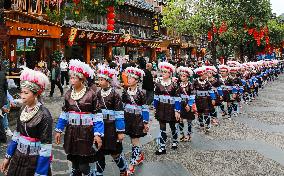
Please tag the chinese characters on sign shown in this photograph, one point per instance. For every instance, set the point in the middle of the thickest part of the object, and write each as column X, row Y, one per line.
column 156, row 25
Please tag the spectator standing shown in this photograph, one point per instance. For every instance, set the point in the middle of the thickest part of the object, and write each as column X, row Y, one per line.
column 55, row 78
column 5, row 111
column 64, row 72
column 148, row 84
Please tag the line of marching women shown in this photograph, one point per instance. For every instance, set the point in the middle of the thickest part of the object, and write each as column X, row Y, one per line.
column 204, row 94
column 95, row 121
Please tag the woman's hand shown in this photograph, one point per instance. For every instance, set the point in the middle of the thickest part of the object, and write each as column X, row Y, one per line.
column 4, row 165
column 177, row 115
column 57, row 138
column 146, row 128
column 120, row 137
column 98, row 141
column 193, row 108
column 187, row 108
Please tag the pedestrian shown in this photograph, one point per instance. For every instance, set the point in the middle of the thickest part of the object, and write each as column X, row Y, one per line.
column 109, row 105
column 148, row 84
column 84, row 128
column 237, row 83
column 55, row 78
column 167, row 105
column 29, row 152
column 188, row 107
column 204, row 98
column 216, row 87
column 136, row 114
column 229, row 91
column 5, row 111
column 64, row 72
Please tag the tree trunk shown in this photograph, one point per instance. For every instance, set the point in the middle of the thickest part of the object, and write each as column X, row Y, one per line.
column 214, row 50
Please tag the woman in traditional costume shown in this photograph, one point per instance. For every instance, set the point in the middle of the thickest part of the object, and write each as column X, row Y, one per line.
column 136, row 114
column 110, row 108
column 205, row 98
column 167, row 105
column 83, row 127
column 188, row 107
column 29, row 152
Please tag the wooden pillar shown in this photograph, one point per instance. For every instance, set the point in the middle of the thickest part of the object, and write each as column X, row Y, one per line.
column 153, row 54
column 88, row 52
column 108, row 52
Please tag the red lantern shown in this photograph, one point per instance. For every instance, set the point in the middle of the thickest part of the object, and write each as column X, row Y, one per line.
column 110, row 21
column 110, row 9
column 110, row 27
column 110, row 15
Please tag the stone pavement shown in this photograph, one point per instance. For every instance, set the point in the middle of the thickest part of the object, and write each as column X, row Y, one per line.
column 251, row 144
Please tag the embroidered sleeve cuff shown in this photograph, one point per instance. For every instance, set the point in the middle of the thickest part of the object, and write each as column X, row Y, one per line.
column 58, row 130
column 98, row 134
column 7, row 156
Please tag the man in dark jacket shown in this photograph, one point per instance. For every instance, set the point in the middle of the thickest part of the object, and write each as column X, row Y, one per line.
column 148, row 84
column 55, row 76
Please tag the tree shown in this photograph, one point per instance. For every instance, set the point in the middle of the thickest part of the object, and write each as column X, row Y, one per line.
column 225, row 22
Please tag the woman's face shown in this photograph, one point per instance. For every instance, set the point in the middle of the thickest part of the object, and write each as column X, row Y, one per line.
column 27, row 96
column 183, row 77
column 132, row 81
column 223, row 72
column 209, row 74
column 204, row 76
column 166, row 74
column 75, row 81
column 103, row 83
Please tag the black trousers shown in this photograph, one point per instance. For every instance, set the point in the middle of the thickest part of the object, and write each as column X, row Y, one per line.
column 53, row 83
column 64, row 76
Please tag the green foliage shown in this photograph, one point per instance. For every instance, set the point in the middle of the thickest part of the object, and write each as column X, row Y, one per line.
column 55, row 16
column 276, row 31
column 196, row 17
column 85, row 8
